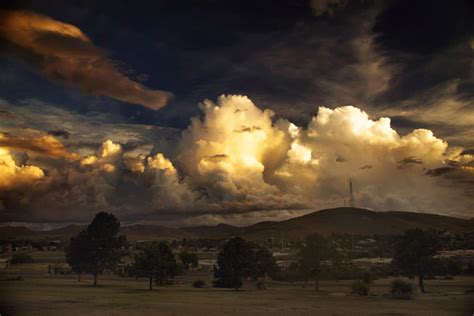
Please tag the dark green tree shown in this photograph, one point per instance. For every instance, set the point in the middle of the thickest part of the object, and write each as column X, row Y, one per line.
column 234, row 261
column 79, row 253
column 167, row 267
column 315, row 250
column 156, row 262
column 263, row 263
column 99, row 247
column 414, row 254
column 21, row 258
column 188, row 259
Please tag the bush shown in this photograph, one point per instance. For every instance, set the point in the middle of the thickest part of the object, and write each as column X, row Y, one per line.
column 401, row 289
column 199, row 284
column 261, row 284
column 362, row 285
column 469, row 291
column 21, row 258
column 360, row 288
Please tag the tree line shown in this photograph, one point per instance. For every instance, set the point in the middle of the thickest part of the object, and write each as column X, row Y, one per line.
column 100, row 247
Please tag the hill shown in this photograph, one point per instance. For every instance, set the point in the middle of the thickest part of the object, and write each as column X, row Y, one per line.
column 218, row 231
column 337, row 220
column 149, row 232
column 133, row 232
column 356, row 221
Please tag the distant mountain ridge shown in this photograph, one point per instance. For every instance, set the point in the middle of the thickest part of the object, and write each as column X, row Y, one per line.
column 337, row 220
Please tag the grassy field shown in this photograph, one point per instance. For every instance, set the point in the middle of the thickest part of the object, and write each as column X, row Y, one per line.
column 48, row 256
column 41, row 294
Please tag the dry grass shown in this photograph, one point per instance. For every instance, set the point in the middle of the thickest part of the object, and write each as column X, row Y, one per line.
column 63, row 295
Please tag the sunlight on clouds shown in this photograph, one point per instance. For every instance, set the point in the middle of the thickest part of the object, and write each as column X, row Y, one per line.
column 160, row 162
column 235, row 135
column 135, row 164
column 12, row 175
column 44, row 145
column 169, row 193
column 89, row 160
column 299, row 153
column 237, row 158
column 351, row 123
column 109, row 149
column 228, row 150
column 108, row 167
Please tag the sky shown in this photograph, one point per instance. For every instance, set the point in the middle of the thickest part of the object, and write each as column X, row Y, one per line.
column 207, row 112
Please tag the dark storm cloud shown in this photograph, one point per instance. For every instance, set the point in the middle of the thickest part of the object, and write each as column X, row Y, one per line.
column 276, row 52
column 321, row 7
column 440, row 171
column 405, row 162
column 431, row 42
column 60, row 133
column 423, row 27
column 442, row 108
column 6, row 114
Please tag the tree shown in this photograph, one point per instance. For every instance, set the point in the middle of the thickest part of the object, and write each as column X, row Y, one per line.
column 315, row 250
column 188, row 259
column 167, row 266
column 263, row 262
column 234, row 262
column 99, row 247
column 78, row 253
column 156, row 262
column 21, row 258
column 414, row 254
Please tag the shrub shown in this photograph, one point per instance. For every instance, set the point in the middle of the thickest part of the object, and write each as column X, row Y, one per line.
column 261, row 284
column 469, row 291
column 179, row 269
column 401, row 289
column 360, row 288
column 362, row 285
column 21, row 258
column 198, row 284
column 59, row 269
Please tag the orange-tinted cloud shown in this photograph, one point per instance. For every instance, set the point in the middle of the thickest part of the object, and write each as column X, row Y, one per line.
column 13, row 175
column 43, row 145
column 64, row 54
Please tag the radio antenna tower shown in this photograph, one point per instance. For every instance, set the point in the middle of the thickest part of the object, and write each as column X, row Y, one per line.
column 351, row 195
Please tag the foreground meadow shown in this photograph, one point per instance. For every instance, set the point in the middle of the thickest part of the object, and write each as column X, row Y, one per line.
column 41, row 294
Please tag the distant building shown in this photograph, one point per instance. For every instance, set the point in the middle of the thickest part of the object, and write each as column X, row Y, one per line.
column 371, row 262
column 285, row 264
column 461, row 253
column 4, row 263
